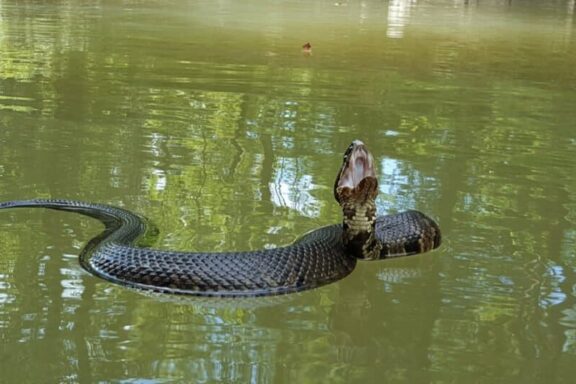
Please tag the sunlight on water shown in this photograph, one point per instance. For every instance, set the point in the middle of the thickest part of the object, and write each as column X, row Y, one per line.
column 398, row 16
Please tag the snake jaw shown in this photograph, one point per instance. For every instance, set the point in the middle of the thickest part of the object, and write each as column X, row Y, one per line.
column 357, row 165
column 357, row 176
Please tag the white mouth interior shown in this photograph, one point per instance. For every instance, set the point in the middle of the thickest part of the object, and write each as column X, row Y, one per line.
column 360, row 165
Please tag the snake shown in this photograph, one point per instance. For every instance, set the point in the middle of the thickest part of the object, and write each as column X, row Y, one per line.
column 317, row 258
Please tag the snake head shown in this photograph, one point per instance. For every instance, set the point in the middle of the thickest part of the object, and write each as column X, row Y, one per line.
column 355, row 190
column 356, row 181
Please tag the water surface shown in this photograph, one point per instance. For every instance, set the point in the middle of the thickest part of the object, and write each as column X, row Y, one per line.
column 207, row 118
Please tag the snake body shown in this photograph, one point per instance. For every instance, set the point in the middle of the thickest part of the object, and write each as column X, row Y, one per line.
column 317, row 258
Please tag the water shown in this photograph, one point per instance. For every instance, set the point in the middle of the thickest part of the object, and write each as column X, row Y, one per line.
column 207, row 118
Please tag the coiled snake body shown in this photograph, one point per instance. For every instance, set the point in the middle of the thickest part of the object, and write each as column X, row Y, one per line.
column 319, row 257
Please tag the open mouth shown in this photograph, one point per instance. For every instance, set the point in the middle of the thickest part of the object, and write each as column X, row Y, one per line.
column 358, row 164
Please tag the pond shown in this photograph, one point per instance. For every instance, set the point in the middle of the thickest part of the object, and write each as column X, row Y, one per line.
column 207, row 117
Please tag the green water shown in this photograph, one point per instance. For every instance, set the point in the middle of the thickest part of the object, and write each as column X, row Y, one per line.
column 206, row 117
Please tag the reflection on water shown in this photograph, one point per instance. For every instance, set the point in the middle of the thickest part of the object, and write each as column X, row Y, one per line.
column 398, row 16
column 207, row 118
column 292, row 190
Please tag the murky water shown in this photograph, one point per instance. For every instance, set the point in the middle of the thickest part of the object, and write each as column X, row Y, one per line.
column 206, row 117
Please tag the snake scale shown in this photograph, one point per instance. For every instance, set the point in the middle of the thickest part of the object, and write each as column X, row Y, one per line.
column 320, row 257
